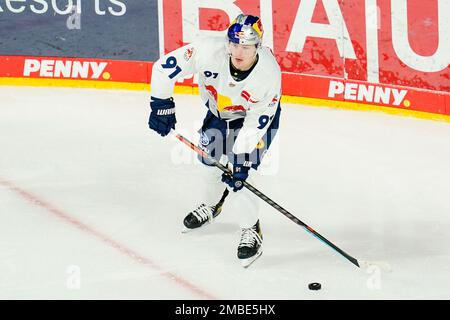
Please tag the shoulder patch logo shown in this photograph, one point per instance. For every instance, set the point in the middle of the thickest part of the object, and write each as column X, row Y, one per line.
column 188, row 53
column 204, row 139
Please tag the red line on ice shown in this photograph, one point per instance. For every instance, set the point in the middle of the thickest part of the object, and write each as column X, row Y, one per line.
column 104, row 238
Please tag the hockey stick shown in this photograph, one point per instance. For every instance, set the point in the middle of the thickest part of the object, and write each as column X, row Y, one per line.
column 359, row 263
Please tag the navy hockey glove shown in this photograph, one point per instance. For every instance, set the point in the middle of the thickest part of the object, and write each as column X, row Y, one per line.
column 162, row 118
column 240, row 174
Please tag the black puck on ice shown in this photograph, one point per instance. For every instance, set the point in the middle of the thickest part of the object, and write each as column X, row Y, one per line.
column 314, row 286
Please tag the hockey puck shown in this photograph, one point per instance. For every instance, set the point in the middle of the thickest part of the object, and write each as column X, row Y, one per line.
column 314, row 286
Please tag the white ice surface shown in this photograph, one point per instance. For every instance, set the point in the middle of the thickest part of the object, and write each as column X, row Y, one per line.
column 86, row 186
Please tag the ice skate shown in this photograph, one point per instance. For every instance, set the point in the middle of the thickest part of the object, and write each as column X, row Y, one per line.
column 203, row 215
column 250, row 246
column 199, row 217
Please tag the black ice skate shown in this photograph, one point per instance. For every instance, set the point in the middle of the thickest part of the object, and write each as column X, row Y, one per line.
column 203, row 215
column 250, row 247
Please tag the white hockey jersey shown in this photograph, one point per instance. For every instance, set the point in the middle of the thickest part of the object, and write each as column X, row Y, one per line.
column 255, row 98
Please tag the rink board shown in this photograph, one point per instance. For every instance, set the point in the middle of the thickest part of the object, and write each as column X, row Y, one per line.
column 297, row 88
column 375, row 54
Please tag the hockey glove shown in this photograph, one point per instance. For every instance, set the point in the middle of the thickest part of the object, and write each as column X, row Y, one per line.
column 162, row 117
column 240, row 174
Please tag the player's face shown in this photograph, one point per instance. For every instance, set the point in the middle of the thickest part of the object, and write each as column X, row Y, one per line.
column 242, row 56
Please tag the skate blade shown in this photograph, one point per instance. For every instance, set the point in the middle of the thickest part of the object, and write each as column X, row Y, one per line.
column 187, row 230
column 247, row 262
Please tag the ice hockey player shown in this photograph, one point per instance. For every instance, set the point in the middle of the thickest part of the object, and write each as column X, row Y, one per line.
column 240, row 85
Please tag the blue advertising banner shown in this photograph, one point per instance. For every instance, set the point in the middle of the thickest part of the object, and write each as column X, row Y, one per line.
column 105, row 29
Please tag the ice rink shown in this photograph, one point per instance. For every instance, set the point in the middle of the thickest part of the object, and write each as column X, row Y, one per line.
column 92, row 203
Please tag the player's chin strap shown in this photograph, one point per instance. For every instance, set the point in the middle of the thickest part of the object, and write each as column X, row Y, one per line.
column 383, row 265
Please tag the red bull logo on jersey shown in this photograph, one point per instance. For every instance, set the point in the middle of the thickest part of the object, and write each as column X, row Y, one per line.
column 224, row 104
column 236, row 108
